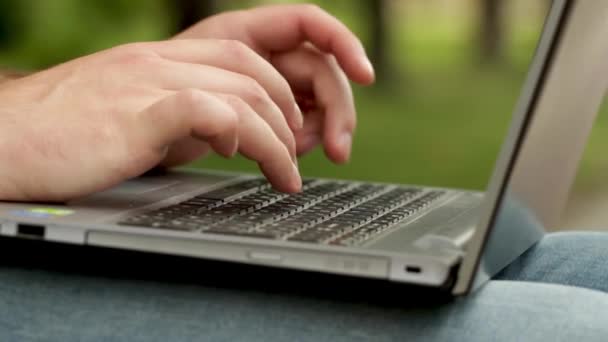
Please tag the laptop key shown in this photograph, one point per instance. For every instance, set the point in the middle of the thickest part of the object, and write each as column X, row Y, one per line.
column 310, row 229
column 385, row 222
column 325, row 211
column 346, row 218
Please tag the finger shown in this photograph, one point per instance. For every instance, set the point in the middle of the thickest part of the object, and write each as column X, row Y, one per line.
column 177, row 75
column 257, row 141
column 235, row 56
column 308, row 68
column 311, row 135
column 186, row 150
column 285, row 27
column 190, row 112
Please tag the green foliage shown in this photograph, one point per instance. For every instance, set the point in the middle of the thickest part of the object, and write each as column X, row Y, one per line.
column 54, row 31
column 10, row 23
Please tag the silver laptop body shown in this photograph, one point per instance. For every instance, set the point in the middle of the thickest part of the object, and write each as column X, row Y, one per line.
column 446, row 238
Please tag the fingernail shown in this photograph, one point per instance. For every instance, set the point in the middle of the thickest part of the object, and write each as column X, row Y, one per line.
column 298, row 121
column 368, row 66
column 366, row 63
column 346, row 142
column 294, row 159
column 296, row 179
column 293, row 153
column 234, row 148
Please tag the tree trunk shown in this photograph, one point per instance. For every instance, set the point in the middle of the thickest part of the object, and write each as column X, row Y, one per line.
column 491, row 33
column 378, row 38
column 11, row 23
column 192, row 11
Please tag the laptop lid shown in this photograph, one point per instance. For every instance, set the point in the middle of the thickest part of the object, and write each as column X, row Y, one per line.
column 564, row 89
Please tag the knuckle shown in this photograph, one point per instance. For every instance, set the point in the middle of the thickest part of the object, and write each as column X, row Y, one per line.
column 236, row 49
column 285, row 138
column 190, row 99
column 237, row 103
column 253, row 92
column 135, row 54
column 231, row 121
column 189, row 102
column 291, row 143
column 283, row 156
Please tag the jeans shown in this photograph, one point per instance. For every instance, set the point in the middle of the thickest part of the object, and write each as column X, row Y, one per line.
column 557, row 291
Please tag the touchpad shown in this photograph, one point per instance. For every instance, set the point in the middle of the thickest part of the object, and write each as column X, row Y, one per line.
column 140, row 186
column 150, row 189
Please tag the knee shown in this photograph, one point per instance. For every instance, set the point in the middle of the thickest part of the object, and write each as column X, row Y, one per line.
column 565, row 243
column 575, row 258
column 579, row 313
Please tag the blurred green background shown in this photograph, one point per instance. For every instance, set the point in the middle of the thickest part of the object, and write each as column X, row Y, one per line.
column 450, row 72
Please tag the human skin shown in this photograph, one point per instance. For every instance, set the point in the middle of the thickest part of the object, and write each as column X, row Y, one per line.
column 231, row 83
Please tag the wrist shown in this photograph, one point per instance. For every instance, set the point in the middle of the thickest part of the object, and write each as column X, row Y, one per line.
column 9, row 190
column 9, row 187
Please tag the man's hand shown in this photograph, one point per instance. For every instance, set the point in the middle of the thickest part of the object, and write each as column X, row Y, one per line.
column 227, row 84
column 91, row 123
column 315, row 53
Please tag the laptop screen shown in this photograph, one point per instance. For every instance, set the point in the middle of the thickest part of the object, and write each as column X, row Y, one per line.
column 559, row 102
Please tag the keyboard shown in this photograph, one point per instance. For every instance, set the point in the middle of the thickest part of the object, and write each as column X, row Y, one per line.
column 325, row 212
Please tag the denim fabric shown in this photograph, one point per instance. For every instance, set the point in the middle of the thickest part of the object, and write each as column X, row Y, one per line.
column 568, row 258
column 44, row 305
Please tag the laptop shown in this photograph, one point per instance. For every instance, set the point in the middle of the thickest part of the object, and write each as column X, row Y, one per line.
column 452, row 240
